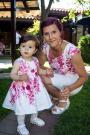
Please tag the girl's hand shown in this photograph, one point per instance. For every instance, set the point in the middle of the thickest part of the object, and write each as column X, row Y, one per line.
column 23, row 77
column 49, row 72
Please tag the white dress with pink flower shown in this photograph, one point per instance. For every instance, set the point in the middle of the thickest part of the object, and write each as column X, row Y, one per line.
column 27, row 97
column 64, row 71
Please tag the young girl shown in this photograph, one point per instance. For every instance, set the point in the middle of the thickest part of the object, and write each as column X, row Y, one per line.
column 28, row 96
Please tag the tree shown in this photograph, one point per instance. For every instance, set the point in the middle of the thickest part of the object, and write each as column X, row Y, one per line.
column 45, row 10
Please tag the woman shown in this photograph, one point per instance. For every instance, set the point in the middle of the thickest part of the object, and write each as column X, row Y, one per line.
column 65, row 61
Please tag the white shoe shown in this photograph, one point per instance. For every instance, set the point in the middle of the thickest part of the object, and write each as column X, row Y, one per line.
column 60, row 110
column 22, row 130
column 37, row 121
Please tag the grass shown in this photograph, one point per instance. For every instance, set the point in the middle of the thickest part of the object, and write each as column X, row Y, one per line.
column 4, row 85
column 5, row 57
column 7, row 70
column 76, row 121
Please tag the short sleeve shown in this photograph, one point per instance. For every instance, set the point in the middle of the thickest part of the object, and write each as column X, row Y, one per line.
column 73, row 50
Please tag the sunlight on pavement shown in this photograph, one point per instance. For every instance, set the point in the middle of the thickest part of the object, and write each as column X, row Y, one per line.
column 5, row 65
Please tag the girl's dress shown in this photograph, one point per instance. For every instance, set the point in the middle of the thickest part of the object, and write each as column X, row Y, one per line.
column 64, row 71
column 27, row 97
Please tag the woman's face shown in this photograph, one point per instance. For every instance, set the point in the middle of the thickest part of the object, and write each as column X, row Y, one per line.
column 52, row 35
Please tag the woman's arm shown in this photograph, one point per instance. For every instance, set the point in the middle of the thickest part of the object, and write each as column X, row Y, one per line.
column 80, row 70
column 42, row 58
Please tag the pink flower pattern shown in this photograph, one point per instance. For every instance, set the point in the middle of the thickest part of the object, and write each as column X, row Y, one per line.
column 29, row 88
column 62, row 64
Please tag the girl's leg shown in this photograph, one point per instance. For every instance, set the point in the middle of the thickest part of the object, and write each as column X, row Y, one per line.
column 36, row 120
column 21, row 129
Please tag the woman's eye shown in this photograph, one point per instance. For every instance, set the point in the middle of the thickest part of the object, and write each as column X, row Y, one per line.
column 54, row 31
column 46, row 34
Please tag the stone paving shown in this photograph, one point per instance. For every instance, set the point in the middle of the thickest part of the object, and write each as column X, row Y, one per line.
column 9, row 124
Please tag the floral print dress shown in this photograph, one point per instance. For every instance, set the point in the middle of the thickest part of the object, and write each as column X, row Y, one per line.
column 64, row 71
column 30, row 96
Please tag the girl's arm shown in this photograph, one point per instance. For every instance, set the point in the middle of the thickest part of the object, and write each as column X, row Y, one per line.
column 46, row 72
column 14, row 73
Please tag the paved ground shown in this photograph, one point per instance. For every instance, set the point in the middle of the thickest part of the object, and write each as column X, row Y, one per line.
column 8, row 125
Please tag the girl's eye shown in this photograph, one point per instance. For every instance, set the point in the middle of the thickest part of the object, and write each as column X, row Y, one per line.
column 23, row 45
column 30, row 47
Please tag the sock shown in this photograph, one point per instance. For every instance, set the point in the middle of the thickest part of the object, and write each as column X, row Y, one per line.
column 33, row 116
column 21, row 120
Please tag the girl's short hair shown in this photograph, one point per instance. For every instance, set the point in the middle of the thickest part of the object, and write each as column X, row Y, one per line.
column 27, row 37
column 50, row 21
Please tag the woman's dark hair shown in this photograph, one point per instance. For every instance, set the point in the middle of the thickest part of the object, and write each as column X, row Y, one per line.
column 27, row 37
column 50, row 21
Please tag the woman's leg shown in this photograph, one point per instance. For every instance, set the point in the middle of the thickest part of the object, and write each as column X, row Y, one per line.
column 62, row 102
column 50, row 88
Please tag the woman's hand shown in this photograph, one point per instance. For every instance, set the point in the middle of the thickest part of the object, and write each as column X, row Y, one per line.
column 65, row 92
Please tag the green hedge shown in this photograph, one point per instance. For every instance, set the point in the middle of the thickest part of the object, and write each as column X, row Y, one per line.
column 84, row 45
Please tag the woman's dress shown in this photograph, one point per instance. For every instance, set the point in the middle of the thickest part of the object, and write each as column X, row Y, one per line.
column 27, row 97
column 64, row 71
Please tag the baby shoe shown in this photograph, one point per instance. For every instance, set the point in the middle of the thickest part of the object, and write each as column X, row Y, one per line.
column 22, row 130
column 37, row 121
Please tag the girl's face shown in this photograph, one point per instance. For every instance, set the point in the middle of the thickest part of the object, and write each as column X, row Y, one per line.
column 27, row 49
column 52, row 35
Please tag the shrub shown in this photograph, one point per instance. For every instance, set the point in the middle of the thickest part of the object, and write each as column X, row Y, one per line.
column 35, row 29
column 84, row 45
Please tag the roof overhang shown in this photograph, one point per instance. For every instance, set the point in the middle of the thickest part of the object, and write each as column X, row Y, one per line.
column 84, row 21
